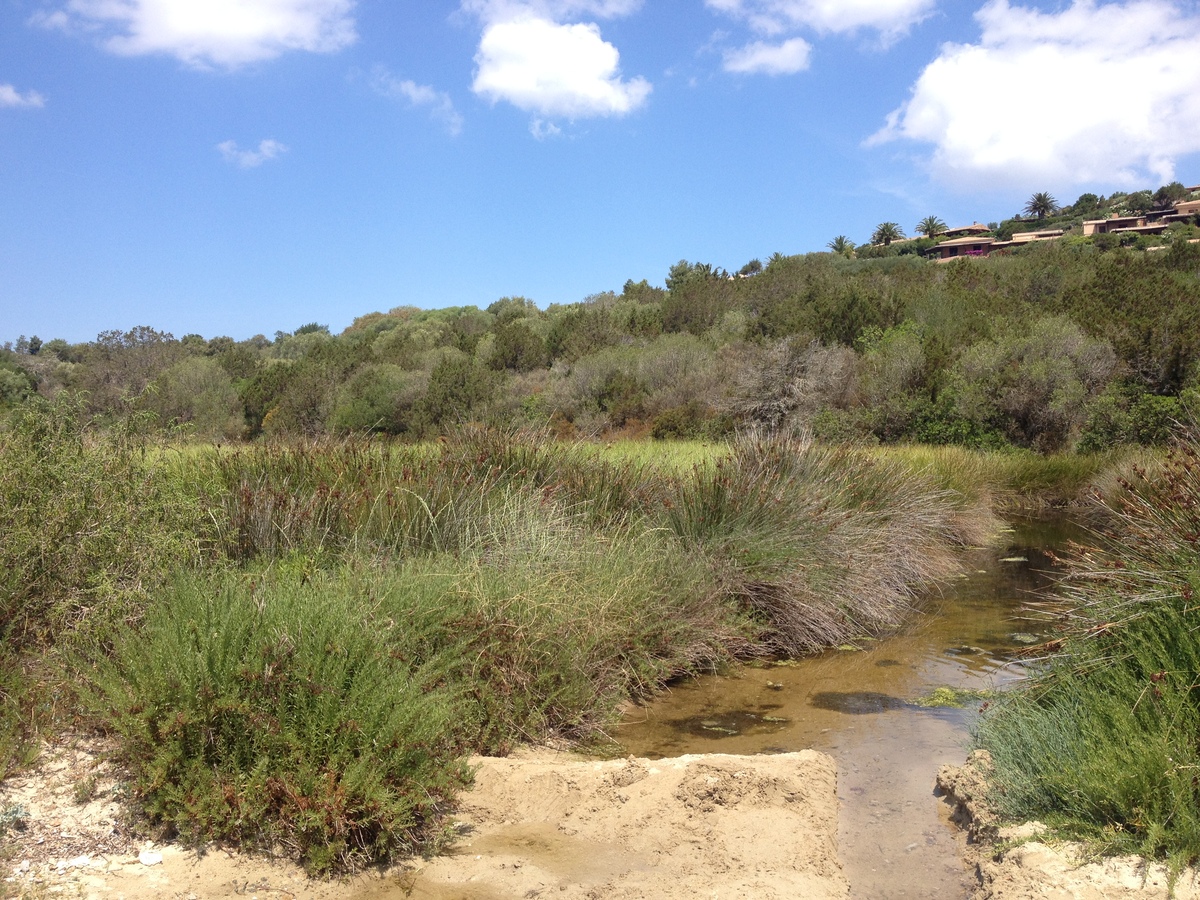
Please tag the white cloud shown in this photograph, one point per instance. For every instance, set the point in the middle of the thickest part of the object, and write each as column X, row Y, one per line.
column 541, row 130
column 1099, row 92
column 11, row 97
column 550, row 69
column 224, row 33
column 441, row 107
column 788, row 58
column 502, row 10
column 250, row 159
column 891, row 18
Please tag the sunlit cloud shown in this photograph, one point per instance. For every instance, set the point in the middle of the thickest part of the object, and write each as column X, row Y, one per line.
column 207, row 33
column 1097, row 92
column 788, row 58
column 250, row 159
column 552, row 69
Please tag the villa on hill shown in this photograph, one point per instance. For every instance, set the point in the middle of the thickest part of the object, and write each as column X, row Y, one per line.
column 985, row 246
column 969, row 231
column 1153, row 222
column 974, row 241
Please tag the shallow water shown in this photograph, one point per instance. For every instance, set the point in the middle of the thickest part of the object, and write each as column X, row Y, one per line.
column 895, row 840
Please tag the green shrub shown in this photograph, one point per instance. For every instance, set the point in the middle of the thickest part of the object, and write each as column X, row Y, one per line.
column 273, row 713
column 93, row 520
column 1101, row 742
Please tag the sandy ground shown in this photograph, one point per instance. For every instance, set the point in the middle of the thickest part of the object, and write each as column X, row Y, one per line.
column 541, row 824
column 1037, row 870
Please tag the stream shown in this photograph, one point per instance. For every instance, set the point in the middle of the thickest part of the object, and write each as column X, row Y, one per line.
column 858, row 706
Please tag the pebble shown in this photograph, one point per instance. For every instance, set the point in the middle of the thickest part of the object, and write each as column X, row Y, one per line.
column 150, row 857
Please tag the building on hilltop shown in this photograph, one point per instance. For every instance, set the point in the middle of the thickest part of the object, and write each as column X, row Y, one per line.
column 985, row 246
column 1153, row 222
column 968, row 231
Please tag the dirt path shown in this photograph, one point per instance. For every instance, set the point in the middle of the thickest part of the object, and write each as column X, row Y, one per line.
column 541, row 824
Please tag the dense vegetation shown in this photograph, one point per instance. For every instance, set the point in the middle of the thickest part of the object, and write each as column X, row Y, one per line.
column 1057, row 346
column 298, row 626
column 297, row 644
column 1102, row 743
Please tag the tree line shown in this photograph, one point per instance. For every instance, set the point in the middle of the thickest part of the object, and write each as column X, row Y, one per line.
column 1064, row 345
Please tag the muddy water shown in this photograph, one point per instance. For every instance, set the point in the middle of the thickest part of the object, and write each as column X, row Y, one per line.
column 858, row 706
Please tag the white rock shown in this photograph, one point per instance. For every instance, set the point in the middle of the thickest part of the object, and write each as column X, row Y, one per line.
column 80, row 862
column 150, row 857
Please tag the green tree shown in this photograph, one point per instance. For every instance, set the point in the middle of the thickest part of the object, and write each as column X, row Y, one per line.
column 457, row 386
column 1087, row 203
column 683, row 272
column 379, row 397
column 518, row 347
column 931, row 226
column 1041, row 204
column 886, row 232
column 509, row 309
column 1169, row 194
column 197, row 392
column 842, row 246
column 1139, row 202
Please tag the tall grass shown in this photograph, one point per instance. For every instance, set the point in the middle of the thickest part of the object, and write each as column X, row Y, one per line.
column 1103, row 742
column 823, row 545
column 365, row 614
column 89, row 521
column 1018, row 479
column 355, row 496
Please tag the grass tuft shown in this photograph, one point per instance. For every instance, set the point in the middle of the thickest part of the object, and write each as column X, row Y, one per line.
column 273, row 713
column 1102, row 742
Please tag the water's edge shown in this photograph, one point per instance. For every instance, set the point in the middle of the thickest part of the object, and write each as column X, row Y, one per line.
column 859, row 706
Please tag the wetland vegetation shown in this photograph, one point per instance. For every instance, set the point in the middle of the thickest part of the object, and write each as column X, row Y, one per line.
column 299, row 580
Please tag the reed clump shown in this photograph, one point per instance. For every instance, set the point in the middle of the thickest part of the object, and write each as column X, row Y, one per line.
column 821, row 545
column 1102, row 742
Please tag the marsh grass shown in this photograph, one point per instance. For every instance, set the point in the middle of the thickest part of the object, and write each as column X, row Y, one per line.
column 1102, row 742
column 1013, row 480
column 822, row 544
column 321, row 631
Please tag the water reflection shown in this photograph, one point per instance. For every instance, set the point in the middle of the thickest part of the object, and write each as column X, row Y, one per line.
column 858, row 706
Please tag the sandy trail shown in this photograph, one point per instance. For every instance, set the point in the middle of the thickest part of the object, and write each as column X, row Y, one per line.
column 539, row 824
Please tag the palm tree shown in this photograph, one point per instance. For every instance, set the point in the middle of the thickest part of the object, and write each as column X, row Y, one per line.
column 931, row 226
column 842, row 246
column 887, row 232
column 1041, row 205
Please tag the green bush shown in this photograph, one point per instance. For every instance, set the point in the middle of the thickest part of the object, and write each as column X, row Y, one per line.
column 93, row 521
column 273, row 713
column 1101, row 742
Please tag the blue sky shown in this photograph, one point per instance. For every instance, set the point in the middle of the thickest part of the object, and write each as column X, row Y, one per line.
column 246, row 166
